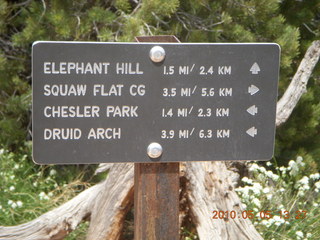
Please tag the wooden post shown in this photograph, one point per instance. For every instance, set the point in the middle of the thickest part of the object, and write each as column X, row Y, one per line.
column 156, row 191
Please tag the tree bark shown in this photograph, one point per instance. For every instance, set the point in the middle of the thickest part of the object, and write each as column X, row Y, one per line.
column 211, row 189
column 112, row 204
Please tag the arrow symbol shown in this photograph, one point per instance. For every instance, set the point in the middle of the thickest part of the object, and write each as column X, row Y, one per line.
column 255, row 69
column 253, row 89
column 252, row 132
column 253, row 110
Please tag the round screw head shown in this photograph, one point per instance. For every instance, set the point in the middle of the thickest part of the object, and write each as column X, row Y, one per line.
column 154, row 150
column 157, row 54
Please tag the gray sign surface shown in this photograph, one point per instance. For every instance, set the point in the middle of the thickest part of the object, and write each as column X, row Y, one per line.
column 106, row 102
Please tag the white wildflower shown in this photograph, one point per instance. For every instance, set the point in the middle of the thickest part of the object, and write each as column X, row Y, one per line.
column 275, row 177
column 315, row 176
column 299, row 161
column 292, row 163
column 43, row 196
column 301, row 193
column 271, row 221
column 299, row 234
column 247, row 180
column 269, row 196
column 256, row 202
column 0, row 207
column 19, row 204
column 12, row 188
column 263, row 170
column 12, row 204
column 283, row 170
column 309, row 235
column 266, row 190
column 1, row 151
column 294, row 168
column 269, row 164
column 256, row 188
column 303, row 185
column 53, row 172
column 304, row 181
column 278, row 221
column 254, row 167
column 261, row 177
column 283, row 210
column 35, row 184
column 269, row 174
column 16, row 166
column 317, row 185
column 245, row 191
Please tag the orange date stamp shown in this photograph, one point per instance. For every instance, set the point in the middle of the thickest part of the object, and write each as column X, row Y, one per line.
column 265, row 214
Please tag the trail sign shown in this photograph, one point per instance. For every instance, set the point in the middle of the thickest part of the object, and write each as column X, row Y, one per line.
column 107, row 102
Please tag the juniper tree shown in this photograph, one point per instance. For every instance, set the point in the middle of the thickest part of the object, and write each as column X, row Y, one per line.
column 23, row 22
column 292, row 24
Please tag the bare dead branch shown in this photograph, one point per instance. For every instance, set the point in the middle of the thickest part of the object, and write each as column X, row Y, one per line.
column 298, row 85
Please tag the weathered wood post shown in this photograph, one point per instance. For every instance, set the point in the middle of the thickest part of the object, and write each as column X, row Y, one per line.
column 156, row 191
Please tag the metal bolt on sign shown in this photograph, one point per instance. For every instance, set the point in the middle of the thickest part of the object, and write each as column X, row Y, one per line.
column 157, row 54
column 154, row 150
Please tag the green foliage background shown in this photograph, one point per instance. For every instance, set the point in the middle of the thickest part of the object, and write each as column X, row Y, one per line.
column 292, row 24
